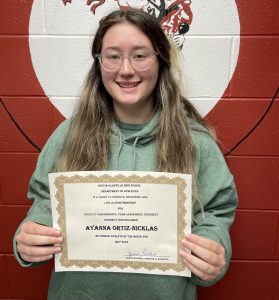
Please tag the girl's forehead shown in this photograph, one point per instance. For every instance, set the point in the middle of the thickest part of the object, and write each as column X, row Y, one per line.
column 124, row 35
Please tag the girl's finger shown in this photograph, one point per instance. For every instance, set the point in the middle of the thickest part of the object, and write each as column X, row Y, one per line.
column 200, row 264
column 199, row 273
column 205, row 243
column 205, row 254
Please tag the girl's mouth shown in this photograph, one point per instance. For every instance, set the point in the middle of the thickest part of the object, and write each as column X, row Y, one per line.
column 127, row 85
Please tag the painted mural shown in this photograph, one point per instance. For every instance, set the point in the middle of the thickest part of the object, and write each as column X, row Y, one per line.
column 228, row 53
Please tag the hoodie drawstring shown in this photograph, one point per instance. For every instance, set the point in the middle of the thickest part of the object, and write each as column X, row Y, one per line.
column 134, row 151
column 119, row 148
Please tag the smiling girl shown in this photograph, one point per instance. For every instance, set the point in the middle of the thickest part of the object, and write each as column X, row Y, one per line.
column 132, row 116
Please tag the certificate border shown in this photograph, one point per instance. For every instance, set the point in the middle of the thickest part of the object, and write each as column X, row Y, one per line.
column 181, row 224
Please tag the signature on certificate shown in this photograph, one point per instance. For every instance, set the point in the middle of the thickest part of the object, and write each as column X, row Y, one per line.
column 144, row 252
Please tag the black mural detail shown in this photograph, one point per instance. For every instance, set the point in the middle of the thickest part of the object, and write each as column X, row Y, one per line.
column 157, row 11
column 175, row 18
column 256, row 125
column 18, row 127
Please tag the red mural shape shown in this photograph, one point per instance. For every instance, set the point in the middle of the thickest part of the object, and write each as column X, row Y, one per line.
column 178, row 19
column 19, row 77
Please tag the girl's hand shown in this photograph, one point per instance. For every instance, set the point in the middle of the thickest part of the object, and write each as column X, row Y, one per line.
column 36, row 243
column 207, row 257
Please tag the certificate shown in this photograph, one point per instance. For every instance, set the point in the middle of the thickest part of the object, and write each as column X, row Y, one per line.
column 121, row 221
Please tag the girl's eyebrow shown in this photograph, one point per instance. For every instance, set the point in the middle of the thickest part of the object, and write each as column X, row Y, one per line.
column 139, row 47
column 112, row 48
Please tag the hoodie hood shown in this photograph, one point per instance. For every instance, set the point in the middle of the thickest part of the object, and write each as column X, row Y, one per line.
column 127, row 139
column 142, row 136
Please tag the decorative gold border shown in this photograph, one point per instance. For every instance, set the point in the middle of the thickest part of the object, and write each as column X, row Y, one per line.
column 181, row 211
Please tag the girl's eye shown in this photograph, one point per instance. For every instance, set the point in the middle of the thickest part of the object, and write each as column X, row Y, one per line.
column 112, row 56
column 139, row 56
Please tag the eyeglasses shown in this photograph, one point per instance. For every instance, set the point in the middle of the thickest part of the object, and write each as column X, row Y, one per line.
column 140, row 60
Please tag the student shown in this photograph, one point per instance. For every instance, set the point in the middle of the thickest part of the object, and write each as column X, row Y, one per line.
column 132, row 116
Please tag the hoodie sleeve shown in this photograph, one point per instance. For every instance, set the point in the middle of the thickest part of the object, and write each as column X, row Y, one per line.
column 218, row 197
column 38, row 193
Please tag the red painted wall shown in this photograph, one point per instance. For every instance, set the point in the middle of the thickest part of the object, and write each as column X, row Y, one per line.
column 247, row 120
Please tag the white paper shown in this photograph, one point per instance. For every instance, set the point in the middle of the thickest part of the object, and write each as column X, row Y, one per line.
column 114, row 221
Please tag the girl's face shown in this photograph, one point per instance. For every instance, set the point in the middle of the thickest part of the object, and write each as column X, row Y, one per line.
column 130, row 86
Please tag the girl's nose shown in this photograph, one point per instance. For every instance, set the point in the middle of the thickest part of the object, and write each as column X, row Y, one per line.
column 126, row 67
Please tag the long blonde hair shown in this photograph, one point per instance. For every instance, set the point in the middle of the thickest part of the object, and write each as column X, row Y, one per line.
column 87, row 146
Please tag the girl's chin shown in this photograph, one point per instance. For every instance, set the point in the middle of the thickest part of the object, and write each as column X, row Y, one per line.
column 128, row 99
